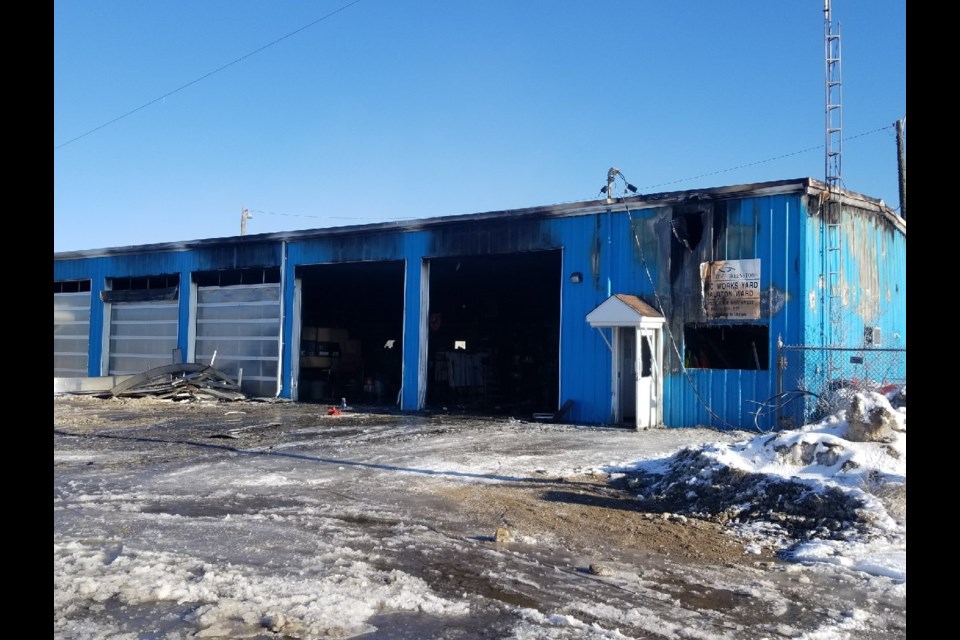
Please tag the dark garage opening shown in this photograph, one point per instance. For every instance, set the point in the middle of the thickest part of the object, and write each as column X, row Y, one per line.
column 494, row 333
column 351, row 331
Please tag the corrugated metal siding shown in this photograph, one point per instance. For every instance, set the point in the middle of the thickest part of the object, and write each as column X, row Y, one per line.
column 491, row 237
column 872, row 279
column 414, row 367
column 585, row 359
column 876, row 295
column 347, row 248
column 212, row 258
column 635, row 253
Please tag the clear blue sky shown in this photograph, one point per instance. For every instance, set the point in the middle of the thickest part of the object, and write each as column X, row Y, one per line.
column 171, row 117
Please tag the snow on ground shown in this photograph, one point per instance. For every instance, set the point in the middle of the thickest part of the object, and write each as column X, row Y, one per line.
column 121, row 536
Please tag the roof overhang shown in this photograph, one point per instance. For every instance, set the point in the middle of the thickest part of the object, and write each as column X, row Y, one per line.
column 624, row 310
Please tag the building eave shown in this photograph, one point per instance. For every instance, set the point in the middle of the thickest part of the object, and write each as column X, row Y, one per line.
column 588, row 207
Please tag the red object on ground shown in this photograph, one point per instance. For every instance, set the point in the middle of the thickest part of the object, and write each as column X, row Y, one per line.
column 333, row 411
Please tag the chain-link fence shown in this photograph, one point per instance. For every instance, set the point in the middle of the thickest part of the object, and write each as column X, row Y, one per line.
column 813, row 382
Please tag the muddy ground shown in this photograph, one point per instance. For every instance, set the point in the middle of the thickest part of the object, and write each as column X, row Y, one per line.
column 580, row 512
column 586, row 526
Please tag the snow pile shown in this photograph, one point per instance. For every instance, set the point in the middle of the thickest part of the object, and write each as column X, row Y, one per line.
column 792, row 487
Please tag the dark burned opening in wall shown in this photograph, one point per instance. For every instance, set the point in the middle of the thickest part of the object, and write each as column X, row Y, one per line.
column 71, row 286
column 728, row 346
column 687, row 226
column 494, row 333
column 161, row 287
column 686, row 232
column 351, row 332
column 233, row 277
column 162, row 281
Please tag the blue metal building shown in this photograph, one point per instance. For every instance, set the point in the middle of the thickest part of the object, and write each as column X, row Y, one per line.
column 659, row 309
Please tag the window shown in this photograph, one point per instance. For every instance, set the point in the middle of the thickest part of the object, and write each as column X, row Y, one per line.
column 71, row 286
column 734, row 346
column 142, row 289
column 231, row 277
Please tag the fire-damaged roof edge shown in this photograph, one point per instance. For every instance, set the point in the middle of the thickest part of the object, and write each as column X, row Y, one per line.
column 810, row 186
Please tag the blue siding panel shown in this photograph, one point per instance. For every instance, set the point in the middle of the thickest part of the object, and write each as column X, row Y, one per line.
column 872, row 279
column 585, row 359
column 414, row 248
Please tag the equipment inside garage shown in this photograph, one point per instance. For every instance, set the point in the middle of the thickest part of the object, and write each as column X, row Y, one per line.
column 351, row 332
column 494, row 333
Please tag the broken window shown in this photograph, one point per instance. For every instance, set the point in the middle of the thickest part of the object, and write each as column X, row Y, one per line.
column 162, row 287
column 231, row 277
column 71, row 286
column 732, row 346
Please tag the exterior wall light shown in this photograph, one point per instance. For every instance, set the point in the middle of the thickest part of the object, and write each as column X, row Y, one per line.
column 576, row 277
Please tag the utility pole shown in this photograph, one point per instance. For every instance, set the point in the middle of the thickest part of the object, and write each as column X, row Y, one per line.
column 244, row 216
column 902, row 165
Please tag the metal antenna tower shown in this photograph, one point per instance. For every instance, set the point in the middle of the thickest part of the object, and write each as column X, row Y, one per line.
column 832, row 207
column 834, row 99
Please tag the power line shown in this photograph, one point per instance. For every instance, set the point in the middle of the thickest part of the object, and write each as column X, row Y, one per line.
column 207, row 75
column 751, row 164
column 300, row 215
column 627, row 184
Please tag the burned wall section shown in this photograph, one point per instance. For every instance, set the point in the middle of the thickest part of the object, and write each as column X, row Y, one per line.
column 686, row 239
column 678, row 240
column 238, row 255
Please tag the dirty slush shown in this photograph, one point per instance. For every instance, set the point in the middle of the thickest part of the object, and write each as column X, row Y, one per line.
column 283, row 520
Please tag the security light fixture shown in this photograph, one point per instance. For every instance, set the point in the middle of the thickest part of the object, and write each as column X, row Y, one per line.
column 607, row 189
column 576, row 277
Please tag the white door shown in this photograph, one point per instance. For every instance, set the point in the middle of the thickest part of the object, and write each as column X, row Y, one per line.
column 648, row 388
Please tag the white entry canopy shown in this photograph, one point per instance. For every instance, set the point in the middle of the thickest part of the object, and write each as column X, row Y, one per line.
column 623, row 310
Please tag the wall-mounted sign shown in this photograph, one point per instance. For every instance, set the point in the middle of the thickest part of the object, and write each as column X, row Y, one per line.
column 731, row 289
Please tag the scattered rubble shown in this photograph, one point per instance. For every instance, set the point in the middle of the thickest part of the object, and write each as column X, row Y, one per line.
column 179, row 382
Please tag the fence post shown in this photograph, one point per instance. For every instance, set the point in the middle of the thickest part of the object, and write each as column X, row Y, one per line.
column 779, row 387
